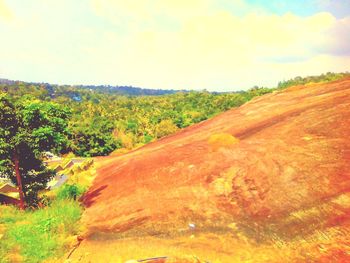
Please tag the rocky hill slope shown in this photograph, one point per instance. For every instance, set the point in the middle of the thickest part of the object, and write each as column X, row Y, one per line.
column 273, row 172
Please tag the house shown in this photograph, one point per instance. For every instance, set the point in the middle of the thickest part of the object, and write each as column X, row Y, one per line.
column 58, row 168
column 60, row 181
column 68, row 165
column 8, row 188
column 57, row 181
column 78, row 160
column 7, row 200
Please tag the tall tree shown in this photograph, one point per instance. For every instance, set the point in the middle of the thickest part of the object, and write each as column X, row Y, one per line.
column 28, row 128
column 94, row 138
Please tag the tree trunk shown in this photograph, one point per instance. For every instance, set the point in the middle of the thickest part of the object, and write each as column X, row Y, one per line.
column 19, row 181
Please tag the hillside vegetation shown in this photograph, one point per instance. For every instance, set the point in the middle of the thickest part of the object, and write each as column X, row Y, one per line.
column 104, row 121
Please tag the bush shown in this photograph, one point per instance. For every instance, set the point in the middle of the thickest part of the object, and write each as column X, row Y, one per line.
column 165, row 127
column 221, row 140
column 70, row 191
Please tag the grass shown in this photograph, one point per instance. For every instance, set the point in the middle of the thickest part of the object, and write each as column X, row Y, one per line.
column 48, row 233
column 34, row 236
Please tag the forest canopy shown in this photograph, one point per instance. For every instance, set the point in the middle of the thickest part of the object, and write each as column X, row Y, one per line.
column 102, row 120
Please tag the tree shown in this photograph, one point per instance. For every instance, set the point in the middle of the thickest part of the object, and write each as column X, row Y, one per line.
column 28, row 128
column 93, row 138
column 165, row 127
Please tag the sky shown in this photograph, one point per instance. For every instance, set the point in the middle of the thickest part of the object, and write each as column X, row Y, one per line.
column 218, row 45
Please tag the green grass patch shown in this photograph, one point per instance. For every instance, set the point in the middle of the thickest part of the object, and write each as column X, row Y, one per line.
column 70, row 191
column 40, row 234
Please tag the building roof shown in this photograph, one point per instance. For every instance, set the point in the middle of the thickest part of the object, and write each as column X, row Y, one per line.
column 8, row 188
column 58, row 168
column 68, row 165
column 57, row 181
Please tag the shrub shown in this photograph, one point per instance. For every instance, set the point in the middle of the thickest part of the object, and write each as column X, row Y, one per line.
column 70, row 191
column 165, row 127
column 221, row 140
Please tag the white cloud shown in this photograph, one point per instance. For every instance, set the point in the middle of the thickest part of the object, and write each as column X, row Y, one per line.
column 191, row 44
column 338, row 38
column 213, row 47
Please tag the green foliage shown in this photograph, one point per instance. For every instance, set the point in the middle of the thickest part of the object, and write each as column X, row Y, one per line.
column 147, row 138
column 329, row 76
column 103, row 120
column 165, row 127
column 131, row 121
column 93, row 138
column 70, row 191
column 28, row 128
column 40, row 234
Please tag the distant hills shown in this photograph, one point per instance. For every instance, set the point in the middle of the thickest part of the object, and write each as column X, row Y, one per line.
column 129, row 90
column 118, row 90
column 52, row 89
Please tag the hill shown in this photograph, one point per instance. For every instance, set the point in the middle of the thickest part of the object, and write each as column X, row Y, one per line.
column 265, row 182
column 109, row 89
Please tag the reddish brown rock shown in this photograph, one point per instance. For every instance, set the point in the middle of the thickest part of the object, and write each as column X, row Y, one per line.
column 292, row 152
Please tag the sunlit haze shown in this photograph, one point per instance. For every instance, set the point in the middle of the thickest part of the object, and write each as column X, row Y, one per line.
column 218, row 45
